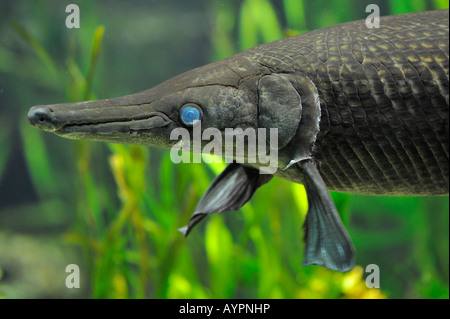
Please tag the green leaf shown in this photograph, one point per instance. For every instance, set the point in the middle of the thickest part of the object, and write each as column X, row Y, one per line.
column 401, row 6
column 219, row 247
column 5, row 144
column 35, row 45
column 38, row 161
column 441, row 4
column 295, row 14
column 96, row 45
column 258, row 18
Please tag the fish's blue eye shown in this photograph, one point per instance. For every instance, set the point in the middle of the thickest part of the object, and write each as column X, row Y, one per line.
column 189, row 114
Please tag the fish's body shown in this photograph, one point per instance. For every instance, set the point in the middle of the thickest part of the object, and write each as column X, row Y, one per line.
column 357, row 110
column 384, row 97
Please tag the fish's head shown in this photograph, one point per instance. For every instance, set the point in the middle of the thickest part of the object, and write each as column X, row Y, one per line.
column 216, row 94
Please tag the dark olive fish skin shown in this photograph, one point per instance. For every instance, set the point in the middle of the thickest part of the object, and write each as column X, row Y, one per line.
column 357, row 110
column 384, row 97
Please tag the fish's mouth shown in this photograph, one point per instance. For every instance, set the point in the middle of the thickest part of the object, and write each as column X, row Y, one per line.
column 100, row 120
column 124, row 126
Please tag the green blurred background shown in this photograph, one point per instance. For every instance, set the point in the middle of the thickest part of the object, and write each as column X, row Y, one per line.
column 114, row 209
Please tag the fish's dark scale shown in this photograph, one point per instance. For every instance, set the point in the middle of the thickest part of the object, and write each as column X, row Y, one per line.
column 384, row 97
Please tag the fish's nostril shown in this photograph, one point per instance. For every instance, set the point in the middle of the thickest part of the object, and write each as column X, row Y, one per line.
column 42, row 117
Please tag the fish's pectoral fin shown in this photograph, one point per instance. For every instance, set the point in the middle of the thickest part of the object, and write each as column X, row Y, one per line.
column 228, row 191
column 327, row 241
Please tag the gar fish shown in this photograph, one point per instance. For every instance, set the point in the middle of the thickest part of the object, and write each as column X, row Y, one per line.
column 357, row 110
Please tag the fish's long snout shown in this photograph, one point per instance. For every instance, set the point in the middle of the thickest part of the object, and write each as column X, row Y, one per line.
column 43, row 117
column 133, row 119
